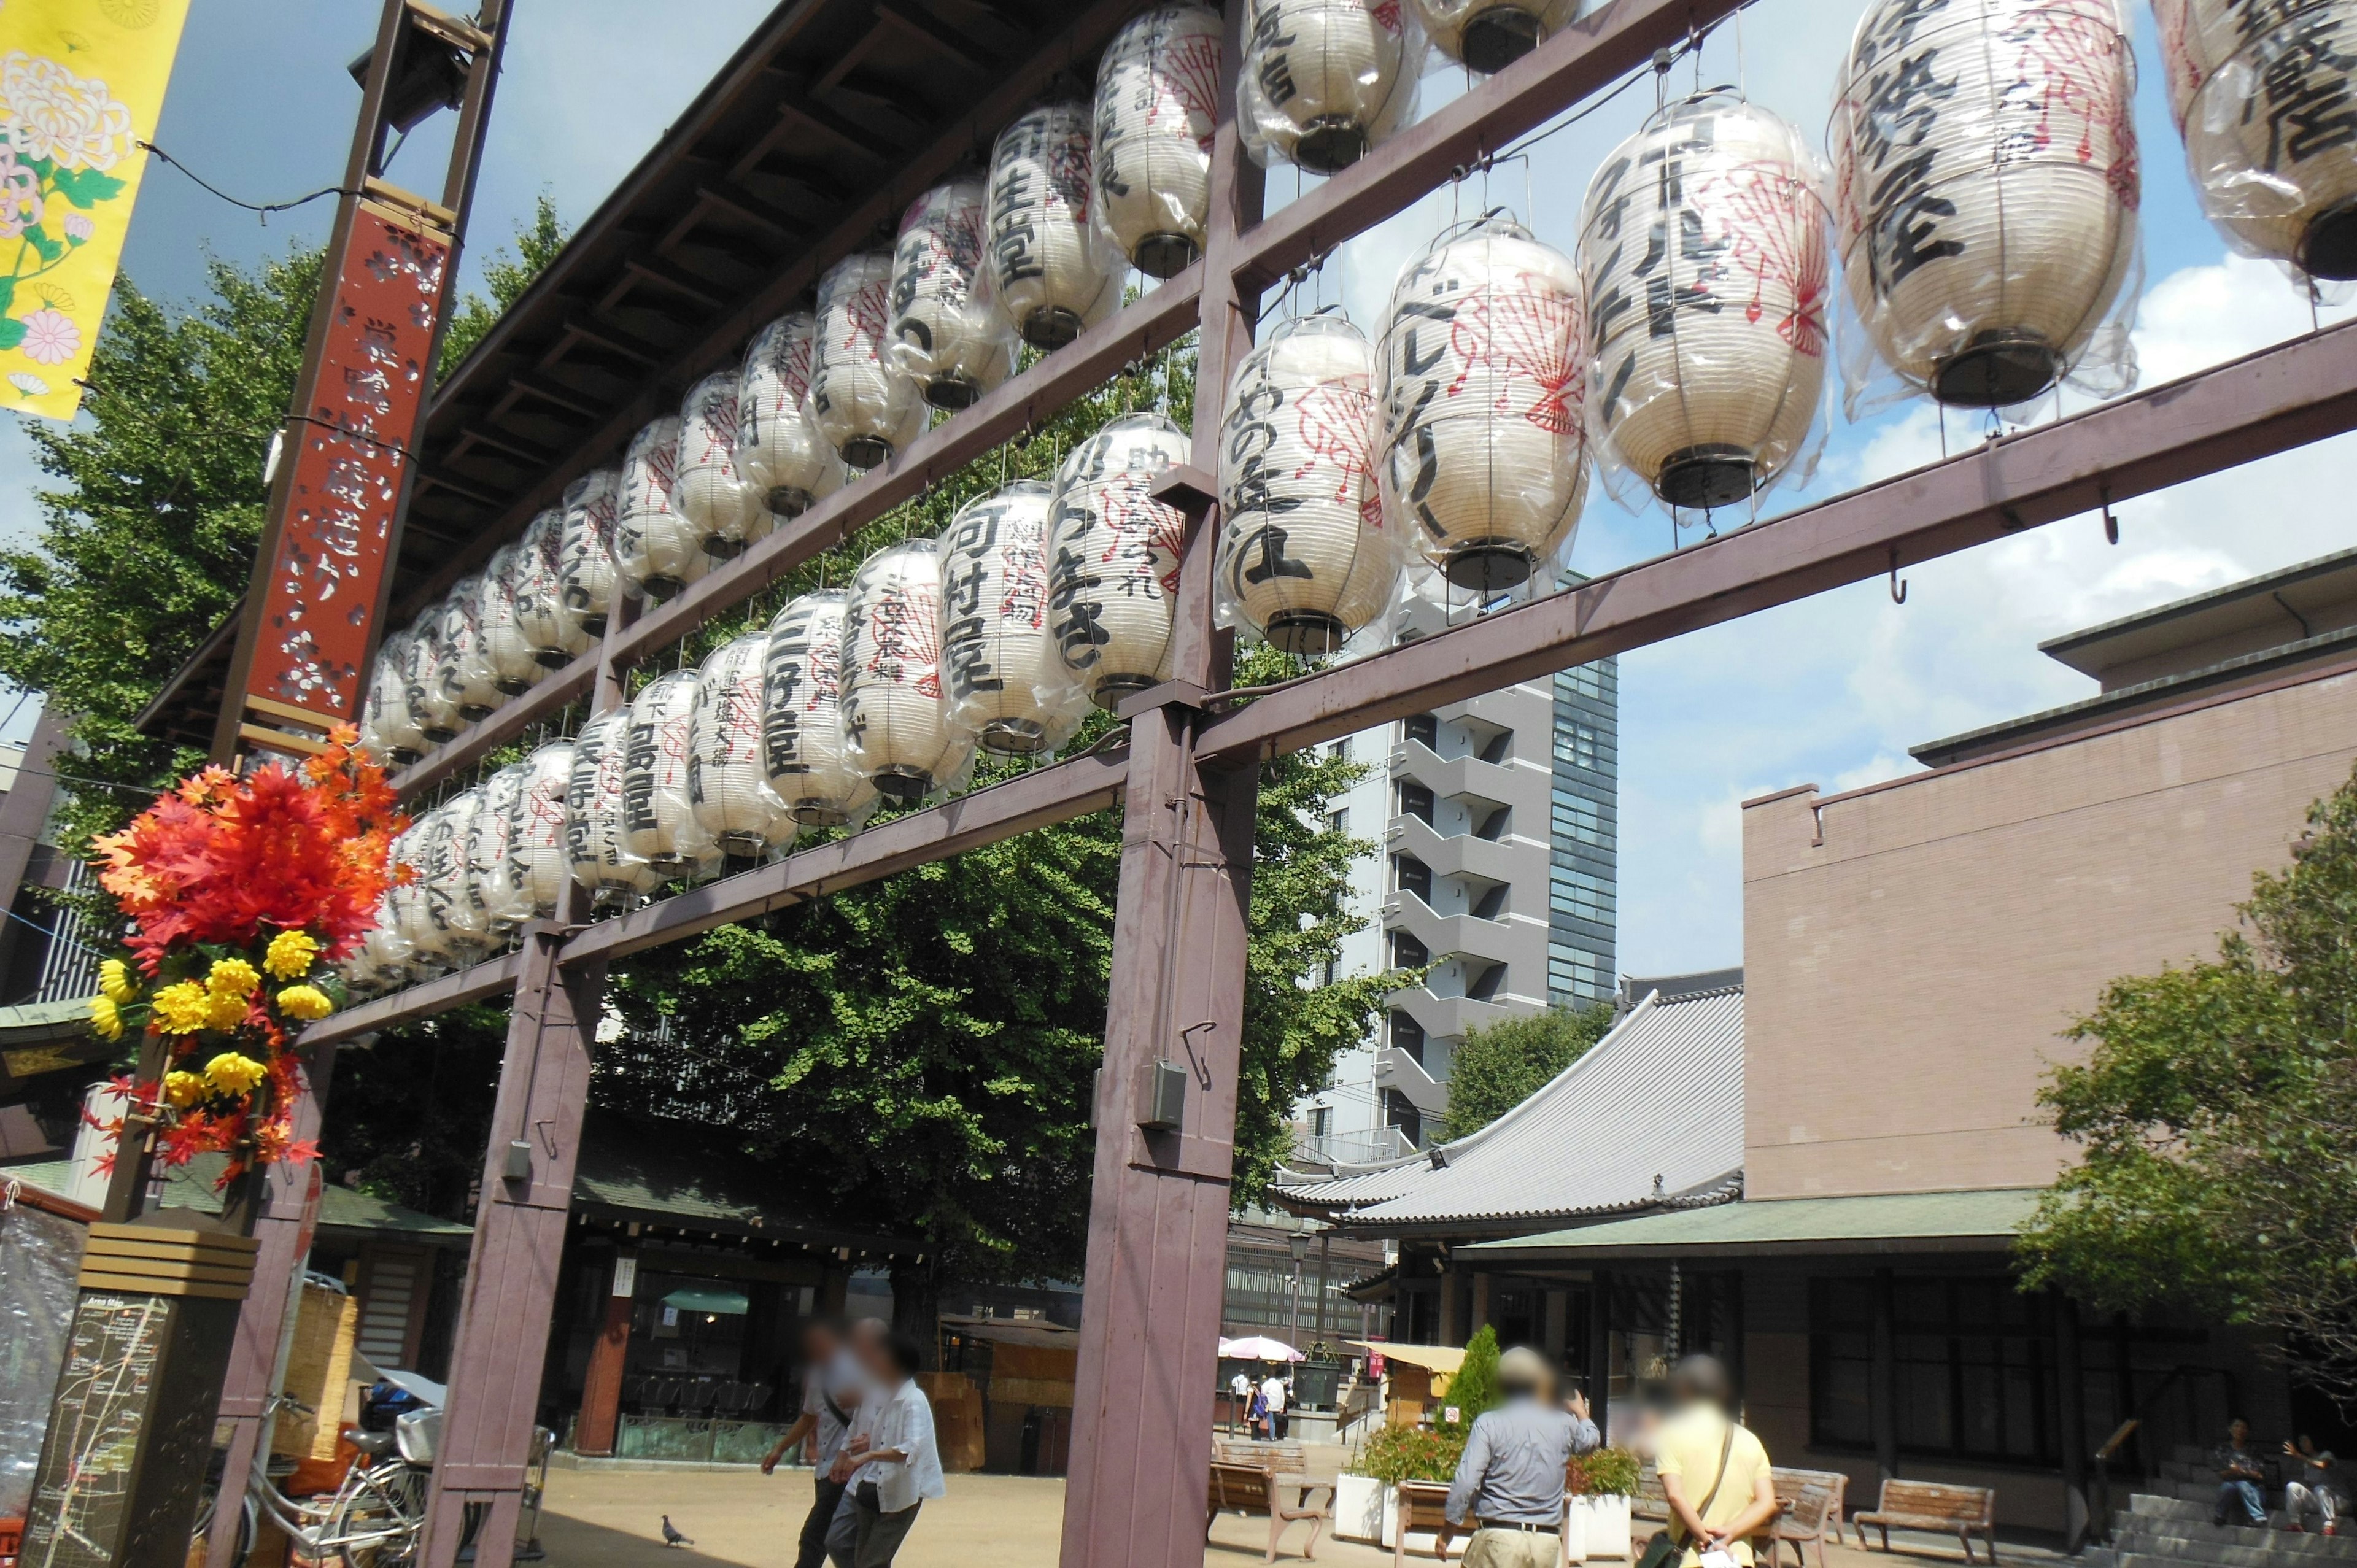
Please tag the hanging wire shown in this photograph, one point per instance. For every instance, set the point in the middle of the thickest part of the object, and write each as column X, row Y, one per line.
column 263, row 209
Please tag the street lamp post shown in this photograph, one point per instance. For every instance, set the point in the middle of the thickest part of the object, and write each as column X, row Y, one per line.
column 1299, row 1242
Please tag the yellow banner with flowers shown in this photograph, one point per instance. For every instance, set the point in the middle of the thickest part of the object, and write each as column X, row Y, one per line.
column 81, row 84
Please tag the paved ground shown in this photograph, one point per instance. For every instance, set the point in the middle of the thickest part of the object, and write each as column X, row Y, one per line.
column 608, row 1519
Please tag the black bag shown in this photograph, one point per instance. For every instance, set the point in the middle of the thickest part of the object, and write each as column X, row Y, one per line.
column 1661, row 1552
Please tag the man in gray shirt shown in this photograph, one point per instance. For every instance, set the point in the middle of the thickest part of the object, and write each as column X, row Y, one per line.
column 1509, row 1485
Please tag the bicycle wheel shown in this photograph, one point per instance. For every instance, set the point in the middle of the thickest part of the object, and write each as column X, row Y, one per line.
column 377, row 1519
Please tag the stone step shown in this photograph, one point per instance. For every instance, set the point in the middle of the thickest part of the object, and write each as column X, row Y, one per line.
column 2229, row 1547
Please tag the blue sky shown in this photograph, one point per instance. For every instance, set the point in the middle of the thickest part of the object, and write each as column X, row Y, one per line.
column 1833, row 689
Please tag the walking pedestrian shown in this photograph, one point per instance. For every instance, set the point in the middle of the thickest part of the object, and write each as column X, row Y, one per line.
column 1715, row 1474
column 1509, row 1484
column 1240, row 1392
column 834, row 1384
column 890, row 1463
column 2240, row 1476
column 2317, row 1487
column 1271, row 1399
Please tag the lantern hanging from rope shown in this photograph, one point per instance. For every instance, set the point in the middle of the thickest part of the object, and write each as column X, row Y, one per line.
column 1985, row 192
column 1114, row 557
column 1484, row 386
column 455, row 924
column 727, row 781
column 1709, row 352
column 586, row 555
column 554, row 637
column 1325, row 80
column 802, row 729
column 657, row 552
column 423, row 665
column 1487, row 35
column 895, row 722
column 1306, row 557
column 658, row 816
column 490, row 845
column 400, row 737
column 595, row 843
column 947, row 335
column 2248, row 85
column 514, row 665
column 865, row 407
column 706, row 489
column 1003, row 681
column 1052, row 270
column 779, row 449
column 468, row 676
column 1157, row 102
column 537, row 854
column 428, row 943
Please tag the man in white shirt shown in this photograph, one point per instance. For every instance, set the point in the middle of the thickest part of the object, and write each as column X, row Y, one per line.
column 834, row 1384
column 1240, row 1392
column 1272, row 1396
column 890, row 1463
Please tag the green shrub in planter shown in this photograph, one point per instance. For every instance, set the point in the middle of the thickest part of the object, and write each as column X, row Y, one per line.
column 1605, row 1473
column 1399, row 1454
column 1474, row 1388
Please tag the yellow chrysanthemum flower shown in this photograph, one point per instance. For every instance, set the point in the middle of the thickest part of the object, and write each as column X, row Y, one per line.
column 184, row 1089
column 103, row 1018
column 290, row 955
column 232, row 1073
column 233, row 977
column 182, row 1009
column 304, row 1001
column 225, row 1012
column 114, row 979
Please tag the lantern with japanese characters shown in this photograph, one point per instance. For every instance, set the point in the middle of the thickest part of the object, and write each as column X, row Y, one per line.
column 596, row 845
column 468, row 678
column 1005, row 682
column 398, row 732
column 1113, row 555
column 593, row 503
column 1157, row 100
column 895, row 722
column 947, row 335
column 706, row 488
column 450, row 927
column 490, row 844
column 1985, row 191
column 537, row 855
column 553, row 635
column 434, row 707
column 1708, row 356
column 657, row 552
column 659, row 822
column 422, row 941
column 2262, row 92
column 1487, row 35
column 1306, row 556
column 728, row 783
column 514, row 664
column 801, row 728
column 779, row 449
column 1052, row 271
column 1325, row 80
column 384, row 951
column 1483, row 359
column 864, row 406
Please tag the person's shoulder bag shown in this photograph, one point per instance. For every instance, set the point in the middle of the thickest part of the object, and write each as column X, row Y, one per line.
column 1662, row 1550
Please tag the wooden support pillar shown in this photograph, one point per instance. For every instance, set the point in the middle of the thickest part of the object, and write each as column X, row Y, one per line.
column 601, row 1386
column 1599, row 1351
column 1480, row 1305
column 1452, row 1315
column 1884, row 1405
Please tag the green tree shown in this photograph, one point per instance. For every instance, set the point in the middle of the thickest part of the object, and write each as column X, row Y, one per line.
column 1498, row 1067
column 2217, row 1116
column 507, row 275
column 1474, row 1388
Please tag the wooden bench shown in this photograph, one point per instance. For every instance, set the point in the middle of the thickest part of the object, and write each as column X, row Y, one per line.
column 1812, row 1503
column 1271, row 1482
column 1420, row 1508
column 1964, row 1511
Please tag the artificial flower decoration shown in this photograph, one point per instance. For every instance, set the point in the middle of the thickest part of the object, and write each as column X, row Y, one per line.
column 223, row 881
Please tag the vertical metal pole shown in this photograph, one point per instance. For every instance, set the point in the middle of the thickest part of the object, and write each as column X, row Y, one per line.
column 1884, row 1408
column 1325, row 1258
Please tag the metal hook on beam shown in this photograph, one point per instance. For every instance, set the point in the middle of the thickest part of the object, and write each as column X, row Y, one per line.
column 1898, row 588
column 2111, row 524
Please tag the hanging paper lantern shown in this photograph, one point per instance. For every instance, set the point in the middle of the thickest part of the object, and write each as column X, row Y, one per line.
column 1006, row 684
column 1709, row 354
column 1487, row 35
column 386, row 949
column 1305, row 556
column 864, row 406
column 1157, row 102
column 595, row 840
column 489, row 846
column 537, row 860
column 893, row 719
column 802, row 703
column 947, row 335
column 779, row 449
column 451, row 927
column 2262, row 95
column 427, row 942
column 656, row 551
column 1051, row 268
column 551, row 633
column 707, row 490
column 728, row 783
column 399, row 736
column 467, row 677
column 1114, row 557
column 1984, row 173
column 422, row 663
column 593, row 503
column 514, row 663
column 1325, row 80
column 658, row 816
column 1485, row 447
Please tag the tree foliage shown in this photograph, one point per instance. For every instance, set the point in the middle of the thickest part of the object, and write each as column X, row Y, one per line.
column 507, row 275
column 1498, row 1067
column 2217, row 1112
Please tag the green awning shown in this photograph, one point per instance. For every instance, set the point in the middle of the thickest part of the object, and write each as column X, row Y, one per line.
column 708, row 1298
column 1981, row 1221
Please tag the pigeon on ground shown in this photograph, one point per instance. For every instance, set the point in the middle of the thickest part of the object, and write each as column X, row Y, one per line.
column 671, row 1537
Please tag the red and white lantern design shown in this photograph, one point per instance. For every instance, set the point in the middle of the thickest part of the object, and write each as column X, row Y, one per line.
column 865, row 407
column 514, row 666
column 554, row 637
column 1053, row 272
column 1325, row 80
column 657, row 552
column 1157, row 104
column 1005, row 682
column 779, row 449
column 593, row 504
column 423, row 665
column 706, row 488
column 659, row 822
column 895, row 722
column 1114, row 557
column 728, row 783
column 947, row 335
column 469, row 679
column 537, row 864
column 596, row 845
column 802, row 735
column 489, row 843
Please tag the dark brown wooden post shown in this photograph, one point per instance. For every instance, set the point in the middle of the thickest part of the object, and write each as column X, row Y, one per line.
column 1599, row 1351
column 601, row 1385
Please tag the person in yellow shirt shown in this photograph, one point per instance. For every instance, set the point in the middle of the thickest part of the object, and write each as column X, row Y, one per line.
column 1713, row 1471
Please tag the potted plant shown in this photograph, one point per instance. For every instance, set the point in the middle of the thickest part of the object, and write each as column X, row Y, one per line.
column 1366, row 1495
column 1599, row 1486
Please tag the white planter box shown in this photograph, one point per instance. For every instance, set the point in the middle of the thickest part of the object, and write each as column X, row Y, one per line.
column 1596, row 1527
column 1363, row 1509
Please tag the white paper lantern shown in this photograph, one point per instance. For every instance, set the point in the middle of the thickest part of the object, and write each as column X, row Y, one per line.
column 554, row 637
column 1306, row 557
column 538, row 860
column 706, row 488
column 490, row 844
column 659, row 822
column 802, row 726
column 865, row 406
column 947, row 334
column 454, row 926
column 1051, row 269
column 1114, row 557
column 1484, row 387
column 595, row 847
column 2261, row 91
column 1003, row 681
column 398, row 730
column 1487, row 35
column 515, row 665
column 1325, row 80
column 434, row 707
column 727, row 780
column 1709, row 354
column 593, row 504
column 1157, row 104
column 468, row 678
column 425, row 942
column 385, row 948
column 894, row 718
column 1985, row 191
column 657, row 552
column 779, row 449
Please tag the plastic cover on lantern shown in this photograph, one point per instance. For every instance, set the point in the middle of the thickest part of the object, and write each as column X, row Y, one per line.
column 1707, row 358
column 1003, row 681
column 1985, row 202
column 659, row 824
column 595, row 845
column 864, row 404
column 706, row 489
column 537, row 863
column 593, row 504
column 441, row 925
column 1484, row 441
column 1487, row 35
column 947, row 333
column 2277, row 185
column 728, row 782
column 514, row 663
column 1113, row 557
column 894, row 720
column 397, row 726
column 490, row 844
column 1306, row 556
column 1052, row 270
column 434, row 707
column 386, row 949
column 657, row 552
column 1157, row 102
column 468, row 678
column 779, row 449
column 1323, row 80
column 802, row 742
column 412, row 929
column 554, row 637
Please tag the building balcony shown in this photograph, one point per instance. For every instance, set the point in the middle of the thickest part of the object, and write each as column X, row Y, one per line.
column 1396, row 1070
column 1505, row 860
column 1450, row 1017
column 1449, row 935
column 1370, row 1147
